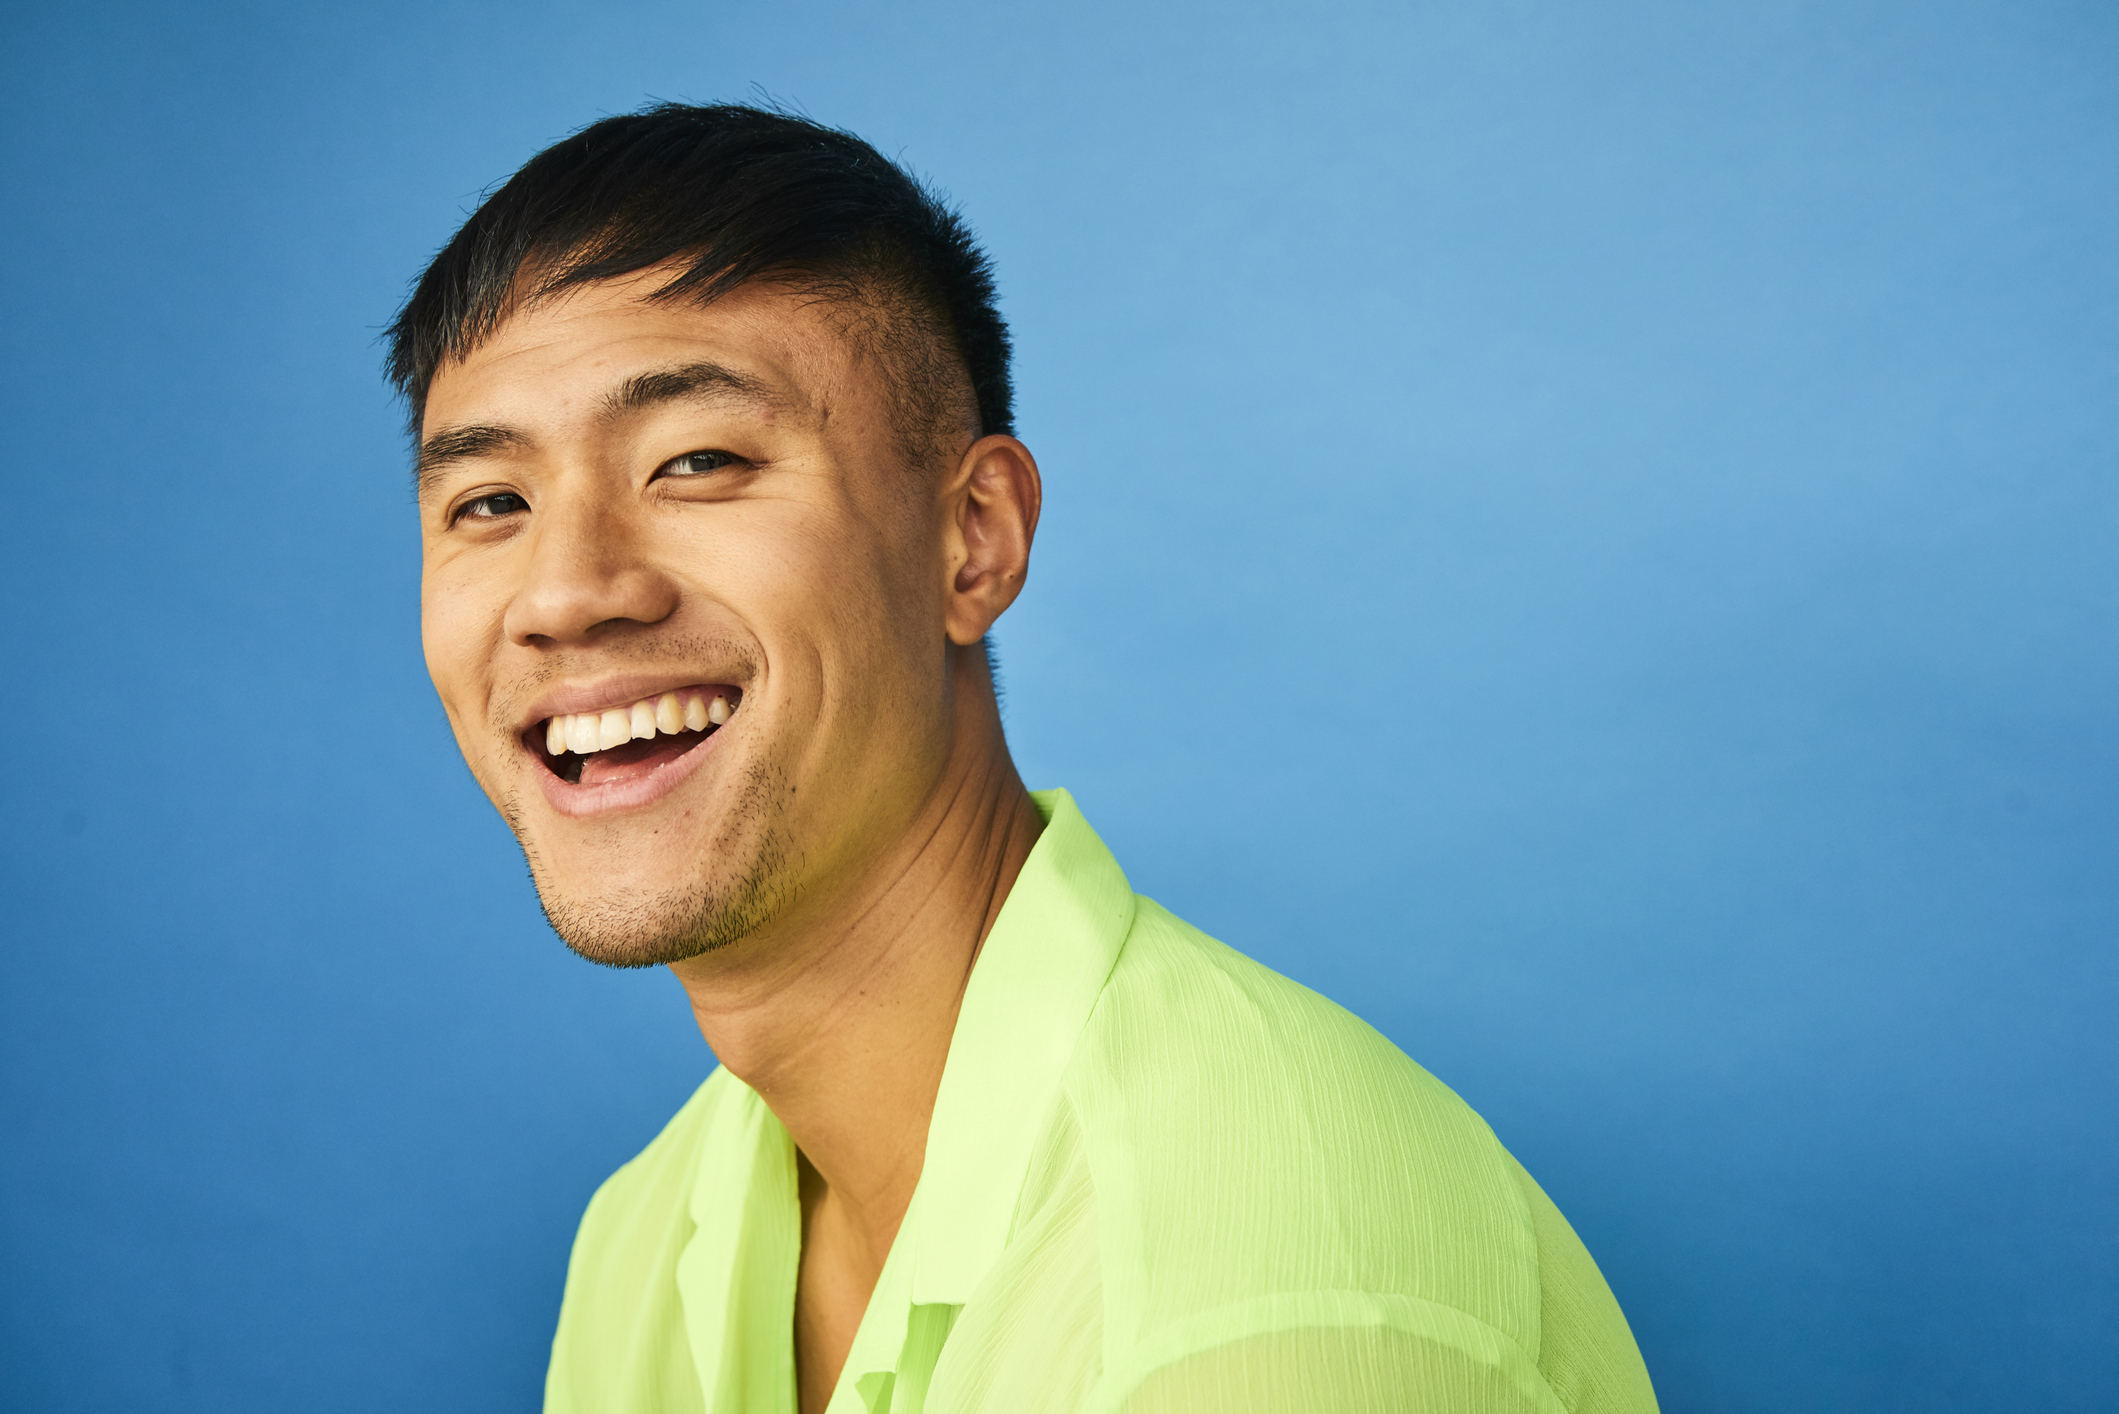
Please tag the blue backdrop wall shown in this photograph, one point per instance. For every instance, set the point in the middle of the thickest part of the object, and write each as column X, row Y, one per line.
column 1584, row 532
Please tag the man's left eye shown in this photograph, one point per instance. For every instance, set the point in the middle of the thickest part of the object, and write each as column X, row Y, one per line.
column 496, row 506
column 698, row 463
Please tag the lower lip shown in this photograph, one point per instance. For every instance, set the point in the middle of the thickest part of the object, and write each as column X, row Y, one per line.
column 580, row 802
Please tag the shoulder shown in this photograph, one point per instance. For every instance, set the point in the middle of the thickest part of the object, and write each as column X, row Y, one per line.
column 1265, row 1161
column 1249, row 1137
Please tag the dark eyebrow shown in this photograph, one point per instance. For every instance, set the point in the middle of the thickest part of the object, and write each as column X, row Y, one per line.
column 455, row 444
column 707, row 381
column 704, row 381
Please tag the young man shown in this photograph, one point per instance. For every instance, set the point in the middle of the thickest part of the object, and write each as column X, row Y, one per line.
column 719, row 499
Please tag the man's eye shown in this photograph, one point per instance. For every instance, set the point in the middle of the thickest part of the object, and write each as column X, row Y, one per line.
column 493, row 507
column 698, row 463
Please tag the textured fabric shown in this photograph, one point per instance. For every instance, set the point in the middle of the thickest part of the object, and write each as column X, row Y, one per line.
column 1160, row 1179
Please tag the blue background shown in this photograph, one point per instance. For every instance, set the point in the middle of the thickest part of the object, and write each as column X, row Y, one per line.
column 1583, row 532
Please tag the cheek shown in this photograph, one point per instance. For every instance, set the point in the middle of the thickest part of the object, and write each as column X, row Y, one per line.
column 458, row 626
column 805, row 572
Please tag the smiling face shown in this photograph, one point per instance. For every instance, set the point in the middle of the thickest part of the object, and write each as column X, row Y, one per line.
column 693, row 605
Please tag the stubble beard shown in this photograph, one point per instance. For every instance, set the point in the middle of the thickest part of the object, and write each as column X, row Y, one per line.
column 655, row 929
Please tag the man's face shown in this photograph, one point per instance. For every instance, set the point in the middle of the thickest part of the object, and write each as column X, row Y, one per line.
column 631, row 510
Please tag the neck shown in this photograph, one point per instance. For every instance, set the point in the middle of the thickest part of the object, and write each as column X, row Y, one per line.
column 842, row 1024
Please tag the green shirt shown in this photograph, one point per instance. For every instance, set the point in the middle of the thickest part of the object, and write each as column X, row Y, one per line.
column 1160, row 1179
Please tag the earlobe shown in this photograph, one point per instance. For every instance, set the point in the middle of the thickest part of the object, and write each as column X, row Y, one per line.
column 994, row 499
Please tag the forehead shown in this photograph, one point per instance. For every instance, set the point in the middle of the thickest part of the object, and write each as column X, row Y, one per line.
column 561, row 359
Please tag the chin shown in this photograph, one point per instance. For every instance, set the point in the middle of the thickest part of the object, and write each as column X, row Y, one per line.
column 653, row 922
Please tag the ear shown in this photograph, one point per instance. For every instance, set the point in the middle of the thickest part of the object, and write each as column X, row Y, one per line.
column 992, row 502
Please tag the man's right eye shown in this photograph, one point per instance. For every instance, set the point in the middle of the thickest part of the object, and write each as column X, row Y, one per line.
column 492, row 507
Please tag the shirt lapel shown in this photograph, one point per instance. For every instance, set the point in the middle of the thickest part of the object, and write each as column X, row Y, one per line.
column 1030, row 994
column 737, row 1275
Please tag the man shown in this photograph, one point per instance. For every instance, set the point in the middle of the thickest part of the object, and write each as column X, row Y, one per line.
column 719, row 499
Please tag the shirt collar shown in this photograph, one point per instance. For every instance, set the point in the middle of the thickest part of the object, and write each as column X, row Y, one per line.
column 1037, row 977
column 1042, row 967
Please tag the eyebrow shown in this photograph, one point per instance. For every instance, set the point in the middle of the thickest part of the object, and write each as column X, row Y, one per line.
column 688, row 382
column 455, row 444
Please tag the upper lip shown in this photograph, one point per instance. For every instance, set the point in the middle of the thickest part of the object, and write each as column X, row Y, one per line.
column 603, row 694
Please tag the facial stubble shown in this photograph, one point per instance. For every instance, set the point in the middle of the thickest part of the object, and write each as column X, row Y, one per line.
column 621, row 929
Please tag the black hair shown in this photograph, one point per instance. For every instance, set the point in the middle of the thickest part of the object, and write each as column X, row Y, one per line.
column 730, row 193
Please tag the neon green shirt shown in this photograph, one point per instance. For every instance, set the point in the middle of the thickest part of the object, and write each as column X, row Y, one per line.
column 1160, row 1179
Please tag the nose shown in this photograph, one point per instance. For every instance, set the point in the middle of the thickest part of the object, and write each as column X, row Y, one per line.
column 589, row 573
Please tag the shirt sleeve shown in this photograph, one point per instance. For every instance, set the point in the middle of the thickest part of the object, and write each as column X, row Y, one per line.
column 1341, row 1370
column 1586, row 1351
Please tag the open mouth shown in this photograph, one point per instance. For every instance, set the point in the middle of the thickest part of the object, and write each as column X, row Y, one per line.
column 626, row 743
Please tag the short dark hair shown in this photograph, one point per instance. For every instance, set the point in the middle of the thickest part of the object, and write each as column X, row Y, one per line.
column 732, row 193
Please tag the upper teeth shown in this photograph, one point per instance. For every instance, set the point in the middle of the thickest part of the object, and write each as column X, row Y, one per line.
column 586, row 732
